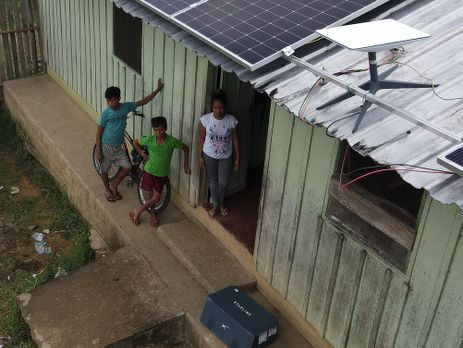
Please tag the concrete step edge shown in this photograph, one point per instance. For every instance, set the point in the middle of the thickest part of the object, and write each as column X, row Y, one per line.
column 199, row 336
column 181, row 257
column 188, row 261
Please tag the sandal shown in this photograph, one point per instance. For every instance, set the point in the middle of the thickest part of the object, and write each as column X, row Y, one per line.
column 116, row 195
column 224, row 211
column 154, row 222
column 135, row 221
column 212, row 212
column 110, row 198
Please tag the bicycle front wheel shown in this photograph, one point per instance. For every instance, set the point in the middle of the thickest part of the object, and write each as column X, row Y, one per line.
column 143, row 196
column 113, row 171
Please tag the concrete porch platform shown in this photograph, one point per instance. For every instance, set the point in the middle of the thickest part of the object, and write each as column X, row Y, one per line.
column 181, row 254
column 113, row 299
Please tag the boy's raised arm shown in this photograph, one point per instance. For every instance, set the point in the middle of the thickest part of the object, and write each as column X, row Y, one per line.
column 150, row 97
column 186, row 159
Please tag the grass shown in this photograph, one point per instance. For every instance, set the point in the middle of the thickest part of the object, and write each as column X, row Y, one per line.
column 40, row 200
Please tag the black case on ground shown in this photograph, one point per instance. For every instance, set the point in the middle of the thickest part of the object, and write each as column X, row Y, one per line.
column 238, row 320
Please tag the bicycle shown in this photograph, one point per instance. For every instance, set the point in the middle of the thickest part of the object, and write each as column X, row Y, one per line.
column 136, row 170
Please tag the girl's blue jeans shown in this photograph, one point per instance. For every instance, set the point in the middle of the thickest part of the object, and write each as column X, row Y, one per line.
column 218, row 173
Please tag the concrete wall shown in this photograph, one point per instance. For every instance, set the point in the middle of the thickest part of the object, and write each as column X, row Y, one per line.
column 337, row 283
column 78, row 46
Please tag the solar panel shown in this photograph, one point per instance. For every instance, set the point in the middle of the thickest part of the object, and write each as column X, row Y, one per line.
column 456, row 156
column 254, row 32
column 452, row 159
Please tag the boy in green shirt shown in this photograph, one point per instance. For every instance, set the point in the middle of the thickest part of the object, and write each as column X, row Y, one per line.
column 156, row 169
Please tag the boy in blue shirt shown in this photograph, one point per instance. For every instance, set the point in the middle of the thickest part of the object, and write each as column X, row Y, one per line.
column 157, row 166
column 110, row 137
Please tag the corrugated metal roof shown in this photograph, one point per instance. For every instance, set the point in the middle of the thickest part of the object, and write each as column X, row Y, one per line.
column 385, row 137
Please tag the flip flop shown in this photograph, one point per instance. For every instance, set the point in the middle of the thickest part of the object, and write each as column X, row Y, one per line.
column 135, row 221
column 154, row 222
column 212, row 212
column 116, row 194
column 110, row 198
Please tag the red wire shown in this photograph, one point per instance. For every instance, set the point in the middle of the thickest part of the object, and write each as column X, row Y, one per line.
column 390, row 170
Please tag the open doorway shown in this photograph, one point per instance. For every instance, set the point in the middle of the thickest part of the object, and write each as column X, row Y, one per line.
column 252, row 109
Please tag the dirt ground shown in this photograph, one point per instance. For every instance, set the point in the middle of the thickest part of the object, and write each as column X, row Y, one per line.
column 16, row 244
column 30, row 202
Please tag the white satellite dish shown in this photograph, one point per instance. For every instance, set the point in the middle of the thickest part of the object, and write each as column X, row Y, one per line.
column 373, row 37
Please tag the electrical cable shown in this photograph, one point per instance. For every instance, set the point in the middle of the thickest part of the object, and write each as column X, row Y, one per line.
column 342, row 166
column 316, row 40
column 433, row 85
column 414, row 168
column 391, row 59
column 327, row 128
column 390, row 170
column 394, row 54
column 308, row 97
column 396, row 164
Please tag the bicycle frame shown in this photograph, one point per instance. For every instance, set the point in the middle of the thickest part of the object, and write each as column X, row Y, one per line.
column 134, row 156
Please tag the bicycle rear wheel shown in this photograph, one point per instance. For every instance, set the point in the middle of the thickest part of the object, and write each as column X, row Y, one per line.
column 113, row 171
column 143, row 196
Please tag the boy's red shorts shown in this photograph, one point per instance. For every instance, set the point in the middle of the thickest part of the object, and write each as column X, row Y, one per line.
column 152, row 183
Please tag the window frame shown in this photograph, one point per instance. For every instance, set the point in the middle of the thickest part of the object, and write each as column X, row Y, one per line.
column 362, row 215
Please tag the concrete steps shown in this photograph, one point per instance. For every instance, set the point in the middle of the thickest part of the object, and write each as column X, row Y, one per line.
column 208, row 261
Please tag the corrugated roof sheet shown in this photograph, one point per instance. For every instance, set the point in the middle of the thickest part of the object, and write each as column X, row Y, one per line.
column 385, row 137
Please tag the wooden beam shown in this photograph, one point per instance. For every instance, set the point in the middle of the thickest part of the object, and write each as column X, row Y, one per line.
column 373, row 214
column 22, row 30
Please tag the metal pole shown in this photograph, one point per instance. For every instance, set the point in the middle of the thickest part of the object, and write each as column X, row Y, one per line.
column 375, row 100
column 373, row 67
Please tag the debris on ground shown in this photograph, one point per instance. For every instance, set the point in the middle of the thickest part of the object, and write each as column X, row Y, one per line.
column 60, row 272
column 37, row 236
column 4, row 341
column 40, row 244
column 14, row 190
column 31, row 227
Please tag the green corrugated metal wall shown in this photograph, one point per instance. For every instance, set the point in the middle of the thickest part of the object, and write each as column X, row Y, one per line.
column 340, row 286
column 78, row 47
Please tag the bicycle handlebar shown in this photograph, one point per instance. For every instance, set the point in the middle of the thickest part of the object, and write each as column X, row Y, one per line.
column 136, row 113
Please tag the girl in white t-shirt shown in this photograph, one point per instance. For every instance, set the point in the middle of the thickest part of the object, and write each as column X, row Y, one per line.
column 218, row 138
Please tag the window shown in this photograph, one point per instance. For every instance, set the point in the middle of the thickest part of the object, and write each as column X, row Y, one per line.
column 380, row 209
column 127, row 38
